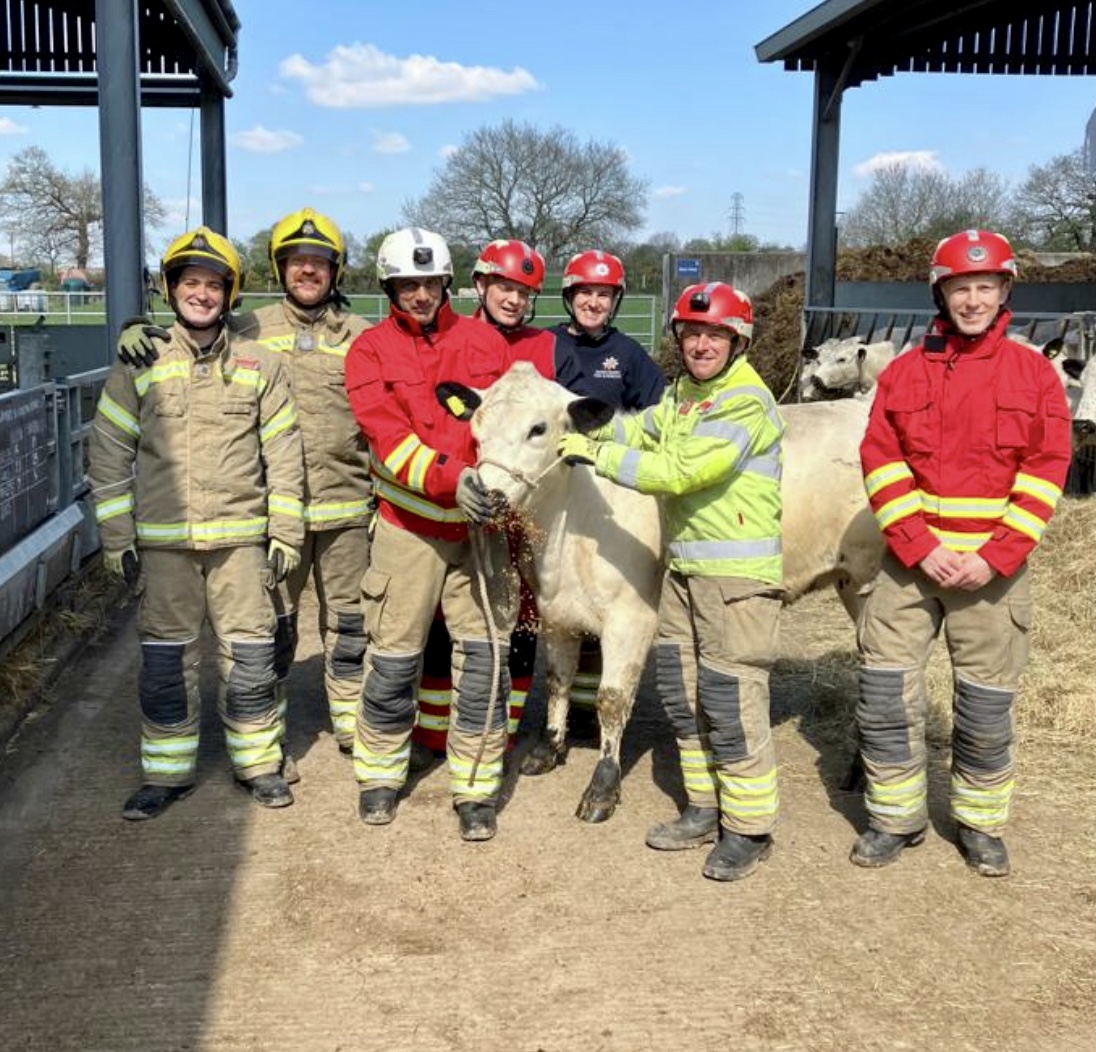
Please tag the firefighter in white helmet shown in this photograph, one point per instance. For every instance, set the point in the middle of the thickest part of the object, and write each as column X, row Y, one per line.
column 429, row 496
column 197, row 475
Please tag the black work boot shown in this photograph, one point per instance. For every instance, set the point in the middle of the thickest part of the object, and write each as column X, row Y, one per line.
column 422, row 757
column 377, row 807
column 477, row 820
column 152, row 800
column 269, row 790
column 695, row 826
column 874, row 848
column 984, row 853
column 736, row 856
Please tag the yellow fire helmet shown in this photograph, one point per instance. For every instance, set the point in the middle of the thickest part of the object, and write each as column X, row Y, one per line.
column 309, row 233
column 203, row 248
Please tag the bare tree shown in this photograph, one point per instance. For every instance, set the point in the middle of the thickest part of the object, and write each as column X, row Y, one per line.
column 1055, row 207
column 906, row 201
column 547, row 188
column 55, row 216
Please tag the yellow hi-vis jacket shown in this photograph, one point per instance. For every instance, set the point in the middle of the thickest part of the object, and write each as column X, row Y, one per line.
column 198, row 452
column 711, row 452
column 312, row 345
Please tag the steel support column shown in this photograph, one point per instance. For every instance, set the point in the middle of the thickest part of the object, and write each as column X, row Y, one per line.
column 120, row 156
column 214, row 182
column 822, row 214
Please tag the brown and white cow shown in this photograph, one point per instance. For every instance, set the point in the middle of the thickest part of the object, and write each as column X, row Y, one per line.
column 595, row 549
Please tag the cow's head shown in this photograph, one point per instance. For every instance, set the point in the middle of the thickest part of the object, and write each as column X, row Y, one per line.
column 518, row 422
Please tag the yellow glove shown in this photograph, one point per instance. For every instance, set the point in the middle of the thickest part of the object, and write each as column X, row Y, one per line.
column 137, row 342
column 282, row 558
column 123, row 563
column 574, row 449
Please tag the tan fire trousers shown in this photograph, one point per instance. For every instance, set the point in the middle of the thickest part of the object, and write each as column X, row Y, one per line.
column 179, row 590
column 716, row 643
column 336, row 561
column 987, row 638
column 407, row 577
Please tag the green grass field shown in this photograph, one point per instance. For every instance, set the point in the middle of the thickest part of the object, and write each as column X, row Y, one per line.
column 639, row 317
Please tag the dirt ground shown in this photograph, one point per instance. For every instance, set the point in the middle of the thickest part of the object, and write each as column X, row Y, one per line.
column 221, row 927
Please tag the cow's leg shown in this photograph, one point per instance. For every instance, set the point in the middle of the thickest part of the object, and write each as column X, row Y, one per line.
column 561, row 650
column 624, row 651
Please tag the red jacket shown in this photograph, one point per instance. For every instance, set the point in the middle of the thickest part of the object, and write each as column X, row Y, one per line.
column 417, row 449
column 528, row 343
column 968, row 444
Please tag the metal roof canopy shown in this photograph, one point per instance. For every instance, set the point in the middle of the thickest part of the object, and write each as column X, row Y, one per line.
column 848, row 42
column 121, row 55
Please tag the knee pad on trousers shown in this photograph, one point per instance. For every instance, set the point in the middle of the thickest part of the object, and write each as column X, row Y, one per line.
column 670, row 678
column 388, row 696
column 161, row 685
column 349, row 648
column 723, row 710
column 881, row 716
column 982, row 733
column 285, row 643
column 473, row 690
column 249, row 693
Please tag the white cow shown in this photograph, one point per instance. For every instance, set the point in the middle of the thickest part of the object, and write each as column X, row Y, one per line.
column 838, row 368
column 595, row 547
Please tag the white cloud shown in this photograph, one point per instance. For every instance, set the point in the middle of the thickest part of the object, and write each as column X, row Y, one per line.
column 390, row 142
column 447, row 151
column 262, row 140
column 668, row 191
column 361, row 76
column 366, row 188
column 178, row 212
column 925, row 159
column 9, row 127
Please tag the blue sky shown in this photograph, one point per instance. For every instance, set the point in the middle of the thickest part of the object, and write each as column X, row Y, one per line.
column 350, row 107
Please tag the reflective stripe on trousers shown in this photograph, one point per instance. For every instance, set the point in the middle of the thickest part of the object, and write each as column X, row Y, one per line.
column 986, row 633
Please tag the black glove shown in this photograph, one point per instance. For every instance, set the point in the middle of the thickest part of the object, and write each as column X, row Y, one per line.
column 125, row 564
column 473, row 498
column 282, row 559
column 137, row 342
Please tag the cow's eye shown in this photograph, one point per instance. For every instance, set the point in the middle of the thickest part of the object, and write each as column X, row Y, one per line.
column 537, row 430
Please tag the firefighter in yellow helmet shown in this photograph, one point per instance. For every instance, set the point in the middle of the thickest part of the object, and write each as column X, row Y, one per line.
column 196, row 470
column 311, row 330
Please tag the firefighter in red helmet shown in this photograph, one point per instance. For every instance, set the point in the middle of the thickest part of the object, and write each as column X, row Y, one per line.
column 964, row 459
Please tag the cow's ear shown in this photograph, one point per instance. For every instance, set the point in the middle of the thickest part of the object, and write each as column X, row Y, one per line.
column 809, row 354
column 457, row 399
column 1053, row 347
column 588, row 414
column 1073, row 367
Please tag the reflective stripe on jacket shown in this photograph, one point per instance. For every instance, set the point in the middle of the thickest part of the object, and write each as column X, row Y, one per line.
column 967, row 446
column 418, row 448
column 198, row 452
column 312, row 346
column 713, row 452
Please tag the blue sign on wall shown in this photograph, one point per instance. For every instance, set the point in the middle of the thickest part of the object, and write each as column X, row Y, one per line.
column 688, row 268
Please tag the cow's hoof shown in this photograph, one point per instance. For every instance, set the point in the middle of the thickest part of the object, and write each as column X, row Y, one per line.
column 541, row 759
column 594, row 811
